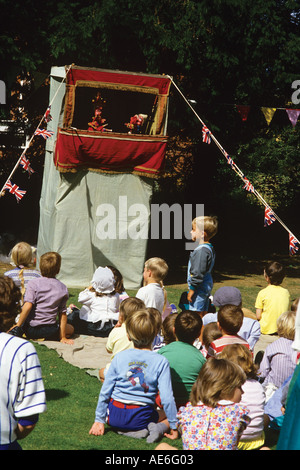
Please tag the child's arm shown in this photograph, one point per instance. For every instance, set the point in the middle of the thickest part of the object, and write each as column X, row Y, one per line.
column 200, row 260
column 62, row 327
column 26, row 309
column 258, row 313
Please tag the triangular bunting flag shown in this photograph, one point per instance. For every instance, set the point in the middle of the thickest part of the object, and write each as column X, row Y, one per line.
column 268, row 113
column 243, row 110
column 293, row 115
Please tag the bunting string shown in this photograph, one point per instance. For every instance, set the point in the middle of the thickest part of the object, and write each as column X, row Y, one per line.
column 22, row 160
column 244, row 110
column 270, row 215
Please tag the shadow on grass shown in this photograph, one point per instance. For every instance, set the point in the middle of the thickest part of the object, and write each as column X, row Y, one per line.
column 55, row 394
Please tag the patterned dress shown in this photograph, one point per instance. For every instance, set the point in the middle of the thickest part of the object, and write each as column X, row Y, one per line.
column 206, row 428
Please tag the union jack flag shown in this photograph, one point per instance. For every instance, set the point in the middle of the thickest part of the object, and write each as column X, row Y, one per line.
column 14, row 189
column 294, row 244
column 206, row 135
column 248, row 186
column 44, row 133
column 25, row 163
column 269, row 217
column 47, row 115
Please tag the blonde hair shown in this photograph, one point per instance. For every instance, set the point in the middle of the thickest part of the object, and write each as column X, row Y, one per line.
column 217, row 380
column 157, row 318
column 239, row 354
column 129, row 306
column 159, row 270
column 209, row 224
column 21, row 256
column 50, row 264
column 141, row 327
column 286, row 325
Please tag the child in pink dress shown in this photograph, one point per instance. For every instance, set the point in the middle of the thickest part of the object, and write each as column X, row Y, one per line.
column 214, row 418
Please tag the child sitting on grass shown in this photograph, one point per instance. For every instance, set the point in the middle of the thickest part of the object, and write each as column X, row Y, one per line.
column 22, row 258
column 22, row 394
column 45, row 299
column 153, row 293
column 185, row 359
column 253, row 396
column 127, row 397
column 100, row 306
column 214, row 419
column 273, row 300
column 280, row 358
column 230, row 320
column 118, row 339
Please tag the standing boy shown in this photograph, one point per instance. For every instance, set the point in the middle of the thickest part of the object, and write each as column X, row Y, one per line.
column 201, row 263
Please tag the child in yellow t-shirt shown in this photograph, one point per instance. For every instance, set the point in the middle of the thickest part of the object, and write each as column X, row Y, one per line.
column 118, row 339
column 273, row 300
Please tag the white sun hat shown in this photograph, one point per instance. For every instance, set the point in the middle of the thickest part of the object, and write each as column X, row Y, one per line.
column 103, row 280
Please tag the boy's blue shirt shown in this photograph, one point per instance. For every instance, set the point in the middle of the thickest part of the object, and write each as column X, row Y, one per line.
column 136, row 376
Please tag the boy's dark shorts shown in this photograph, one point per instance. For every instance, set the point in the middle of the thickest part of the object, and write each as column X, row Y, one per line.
column 129, row 417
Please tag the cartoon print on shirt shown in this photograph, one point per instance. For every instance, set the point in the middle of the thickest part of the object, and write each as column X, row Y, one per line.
column 136, row 376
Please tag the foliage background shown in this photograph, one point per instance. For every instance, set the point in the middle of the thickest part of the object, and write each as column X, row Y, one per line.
column 220, row 53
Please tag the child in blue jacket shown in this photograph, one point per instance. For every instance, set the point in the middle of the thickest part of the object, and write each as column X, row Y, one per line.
column 127, row 397
column 201, row 263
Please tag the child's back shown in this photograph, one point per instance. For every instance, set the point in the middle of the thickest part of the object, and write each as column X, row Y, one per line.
column 22, row 257
column 214, row 419
column 49, row 297
column 185, row 360
column 273, row 300
column 230, row 320
column 153, row 293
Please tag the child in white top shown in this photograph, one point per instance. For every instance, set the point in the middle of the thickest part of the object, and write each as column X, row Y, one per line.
column 100, row 310
column 253, row 397
column 153, row 293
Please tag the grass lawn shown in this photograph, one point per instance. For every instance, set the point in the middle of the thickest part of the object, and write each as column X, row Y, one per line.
column 72, row 394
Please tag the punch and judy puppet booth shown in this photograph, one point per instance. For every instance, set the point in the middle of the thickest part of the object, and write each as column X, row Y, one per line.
column 108, row 146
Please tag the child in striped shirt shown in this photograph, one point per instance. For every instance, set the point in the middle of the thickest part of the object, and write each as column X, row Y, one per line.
column 230, row 320
column 22, row 394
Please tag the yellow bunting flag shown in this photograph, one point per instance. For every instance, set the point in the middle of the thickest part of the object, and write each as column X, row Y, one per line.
column 268, row 113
